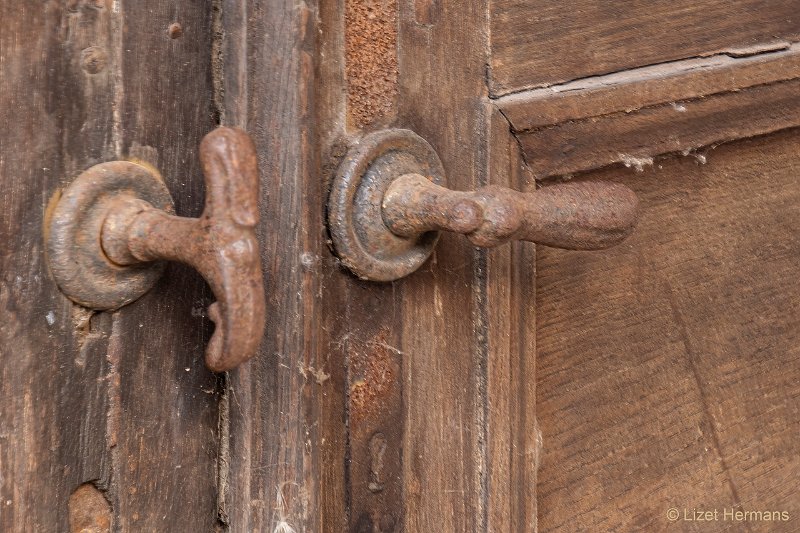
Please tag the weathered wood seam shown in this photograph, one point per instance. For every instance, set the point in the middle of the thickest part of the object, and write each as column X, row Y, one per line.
column 635, row 138
column 534, row 110
column 114, row 347
column 733, row 53
column 537, row 43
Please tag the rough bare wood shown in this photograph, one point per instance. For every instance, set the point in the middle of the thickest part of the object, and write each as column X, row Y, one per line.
column 335, row 500
column 538, row 42
column 634, row 138
column 668, row 367
column 166, row 418
column 54, row 397
column 368, row 395
column 409, row 406
column 631, row 90
column 508, row 318
column 100, row 398
column 467, row 368
column 444, row 375
column 282, row 411
column 451, row 456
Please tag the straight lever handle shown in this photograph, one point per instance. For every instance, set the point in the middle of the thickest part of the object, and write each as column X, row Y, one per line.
column 387, row 208
column 575, row 216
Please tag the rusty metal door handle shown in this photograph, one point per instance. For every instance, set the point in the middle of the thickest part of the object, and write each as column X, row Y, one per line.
column 387, row 207
column 111, row 228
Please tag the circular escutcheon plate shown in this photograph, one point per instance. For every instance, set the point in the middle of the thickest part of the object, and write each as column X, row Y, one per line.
column 75, row 256
column 360, row 237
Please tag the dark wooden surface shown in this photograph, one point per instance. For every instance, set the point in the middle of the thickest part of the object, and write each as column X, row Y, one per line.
column 166, row 434
column 634, row 138
column 406, row 406
column 360, row 384
column 118, row 400
column 538, row 42
column 669, row 366
column 55, row 397
column 281, row 410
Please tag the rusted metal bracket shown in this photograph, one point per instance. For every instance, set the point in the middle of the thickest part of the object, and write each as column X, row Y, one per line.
column 113, row 226
column 387, row 207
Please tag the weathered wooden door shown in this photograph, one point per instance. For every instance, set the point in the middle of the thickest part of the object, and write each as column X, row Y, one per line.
column 490, row 390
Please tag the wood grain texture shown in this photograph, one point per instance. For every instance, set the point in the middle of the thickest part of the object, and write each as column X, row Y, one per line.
column 303, row 414
column 100, row 398
column 53, row 386
column 444, row 342
column 668, row 366
column 469, row 451
column 166, row 433
column 368, row 408
column 634, row 138
column 335, row 503
column 283, row 406
column 509, row 322
column 537, row 43
column 632, row 90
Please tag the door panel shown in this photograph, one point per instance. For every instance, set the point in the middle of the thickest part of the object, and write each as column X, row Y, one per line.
column 409, row 406
column 366, row 409
column 167, row 437
column 538, row 43
column 52, row 424
column 669, row 366
column 121, row 400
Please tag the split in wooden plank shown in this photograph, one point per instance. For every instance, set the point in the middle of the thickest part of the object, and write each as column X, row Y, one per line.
column 667, row 83
column 634, row 116
column 536, row 43
column 634, row 139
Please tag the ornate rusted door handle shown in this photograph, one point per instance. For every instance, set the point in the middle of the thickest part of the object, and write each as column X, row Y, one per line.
column 112, row 226
column 387, row 207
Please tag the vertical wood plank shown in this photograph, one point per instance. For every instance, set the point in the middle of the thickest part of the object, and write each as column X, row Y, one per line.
column 510, row 399
column 56, row 105
column 444, row 344
column 367, row 407
column 335, row 505
column 280, row 406
column 166, row 434
column 118, row 400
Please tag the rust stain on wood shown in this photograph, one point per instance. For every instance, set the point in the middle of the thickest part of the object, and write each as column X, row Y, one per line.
column 371, row 61
column 89, row 511
column 374, row 367
column 376, row 430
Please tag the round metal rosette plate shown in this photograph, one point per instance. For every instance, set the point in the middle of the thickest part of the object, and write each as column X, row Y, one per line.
column 360, row 237
column 73, row 230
